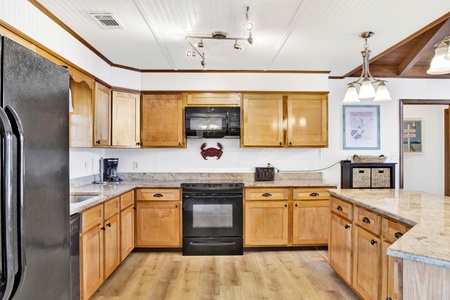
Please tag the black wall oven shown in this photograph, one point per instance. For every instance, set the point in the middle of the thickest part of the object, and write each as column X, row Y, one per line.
column 212, row 218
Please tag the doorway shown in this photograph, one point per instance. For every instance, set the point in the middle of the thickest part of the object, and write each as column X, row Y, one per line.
column 403, row 102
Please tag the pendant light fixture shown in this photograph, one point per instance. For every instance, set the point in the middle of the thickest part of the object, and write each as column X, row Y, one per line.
column 366, row 80
column 440, row 64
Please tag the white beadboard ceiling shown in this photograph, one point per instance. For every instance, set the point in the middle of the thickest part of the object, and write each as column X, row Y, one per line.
column 297, row 35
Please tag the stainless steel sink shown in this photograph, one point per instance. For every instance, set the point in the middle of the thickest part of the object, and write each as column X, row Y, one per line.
column 77, row 198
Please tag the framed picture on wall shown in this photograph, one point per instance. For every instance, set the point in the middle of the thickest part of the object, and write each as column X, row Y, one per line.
column 412, row 136
column 361, row 124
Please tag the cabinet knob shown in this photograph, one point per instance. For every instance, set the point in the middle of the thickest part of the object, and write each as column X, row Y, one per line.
column 267, row 195
column 339, row 208
column 366, row 220
column 398, row 234
column 103, row 228
column 373, row 242
column 281, row 143
column 179, row 143
column 290, row 143
column 109, row 224
column 285, row 205
column 97, row 142
column 296, row 204
column 138, row 143
column 176, row 205
column 388, row 298
column 347, row 226
column 158, row 195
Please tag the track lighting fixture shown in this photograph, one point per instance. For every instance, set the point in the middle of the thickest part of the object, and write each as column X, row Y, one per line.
column 194, row 42
column 366, row 80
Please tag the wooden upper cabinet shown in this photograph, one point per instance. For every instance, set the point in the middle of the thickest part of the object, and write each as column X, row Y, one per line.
column 125, row 119
column 80, row 133
column 262, row 120
column 162, row 120
column 102, row 116
column 210, row 99
column 307, row 120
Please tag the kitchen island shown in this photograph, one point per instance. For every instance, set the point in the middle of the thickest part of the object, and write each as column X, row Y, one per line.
column 424, row 249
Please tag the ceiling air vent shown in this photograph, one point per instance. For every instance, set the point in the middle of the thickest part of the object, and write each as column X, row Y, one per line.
column 106, row 21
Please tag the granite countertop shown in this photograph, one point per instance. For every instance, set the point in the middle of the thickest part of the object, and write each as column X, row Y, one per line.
column 429, row 240
column 105, row 192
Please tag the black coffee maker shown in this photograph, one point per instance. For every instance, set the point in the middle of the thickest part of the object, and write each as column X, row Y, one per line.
column 110, row 173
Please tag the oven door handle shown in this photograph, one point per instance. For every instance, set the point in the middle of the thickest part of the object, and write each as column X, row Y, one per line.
column 212, row 244
column 212, row 196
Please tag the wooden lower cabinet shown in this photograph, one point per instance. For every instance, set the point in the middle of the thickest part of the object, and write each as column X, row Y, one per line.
column 91, row 256
column 112, row 244
column 126, row 232
column 340, row 247
column 266, row 223
column 158, row 218
column 366, row 263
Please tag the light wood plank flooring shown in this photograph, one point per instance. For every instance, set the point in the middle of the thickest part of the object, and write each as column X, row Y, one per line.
column 299, row 274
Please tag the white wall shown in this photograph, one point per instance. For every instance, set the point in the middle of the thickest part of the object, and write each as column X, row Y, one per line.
column 425, row 171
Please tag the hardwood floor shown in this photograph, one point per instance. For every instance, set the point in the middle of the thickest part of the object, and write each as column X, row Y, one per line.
column 299, row 274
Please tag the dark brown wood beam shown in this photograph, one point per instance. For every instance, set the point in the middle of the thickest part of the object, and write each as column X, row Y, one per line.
column 425, row 44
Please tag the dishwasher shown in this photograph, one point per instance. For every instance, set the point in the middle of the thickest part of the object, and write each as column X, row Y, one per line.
column 75, row 225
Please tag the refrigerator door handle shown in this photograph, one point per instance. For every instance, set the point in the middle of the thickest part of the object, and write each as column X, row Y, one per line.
column 7, row 283
column 17, row 129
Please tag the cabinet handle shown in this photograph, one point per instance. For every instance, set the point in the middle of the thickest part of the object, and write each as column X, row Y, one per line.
column 179, row 144
column 103, row 228
column 398, row 234
column 158, row 195
column 176, row 206
column 97, row 142
column 347, row 226
column 109, row 224
column 339, row 208
column 373, row 242
column 281, row 143
column 366, row 220
column 137, row 143
column 285, row 205
column 388, row 298
column 267, row 195
column 290, row 143
column 134, row 207
column 314, row 194
column 296, row 204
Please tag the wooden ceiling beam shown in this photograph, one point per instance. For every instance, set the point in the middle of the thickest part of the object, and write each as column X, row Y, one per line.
column 424, row 45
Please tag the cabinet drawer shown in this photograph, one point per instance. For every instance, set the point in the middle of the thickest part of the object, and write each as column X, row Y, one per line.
column 266, row 194
column 111, row 208
column 341, row 208
column 368, row 220
column 158, row 194
column 91, row 217
column 393, row 230
column 126, row 200
column 310, row 194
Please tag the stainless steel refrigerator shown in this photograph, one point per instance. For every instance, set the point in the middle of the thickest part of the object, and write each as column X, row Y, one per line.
column 34, row 127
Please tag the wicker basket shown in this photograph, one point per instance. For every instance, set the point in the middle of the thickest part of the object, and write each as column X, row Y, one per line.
column 368, row 158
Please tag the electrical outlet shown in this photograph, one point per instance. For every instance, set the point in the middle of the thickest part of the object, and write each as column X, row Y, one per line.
column 135, row 165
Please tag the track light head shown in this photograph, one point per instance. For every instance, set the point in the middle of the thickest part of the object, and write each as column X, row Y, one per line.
column 199, row 44
column 250, row 39
column 237, row 46
column 203, row 63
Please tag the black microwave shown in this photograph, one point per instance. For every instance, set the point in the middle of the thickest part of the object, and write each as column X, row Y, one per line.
column 213, row 122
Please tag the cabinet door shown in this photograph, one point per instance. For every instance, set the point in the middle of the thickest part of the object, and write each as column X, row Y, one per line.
column 81, row 117
column 311, row 223
column 340, row 247
column 366, row 264
column 262, row 121
column 126, row 232
column 158, row 224
column 266, row 223
column 92, row 264
column 162, row 121
column 125, row 119
column 307, row 120
column 209, row 99
column 112, row 244
column 102, row 116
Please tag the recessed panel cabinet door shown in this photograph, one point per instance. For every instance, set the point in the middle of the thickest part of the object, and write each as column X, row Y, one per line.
column 307, row 117
column 366, row 263
column 340, row 247
column 125, row 119
column 80, row 133
column 310, row 222
column 262, row 121
column 127, row 232
column 162, row 121
column 102, row 116
column 92, row 268
column 158, row 224
column 112, row 244
column 266, row 223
